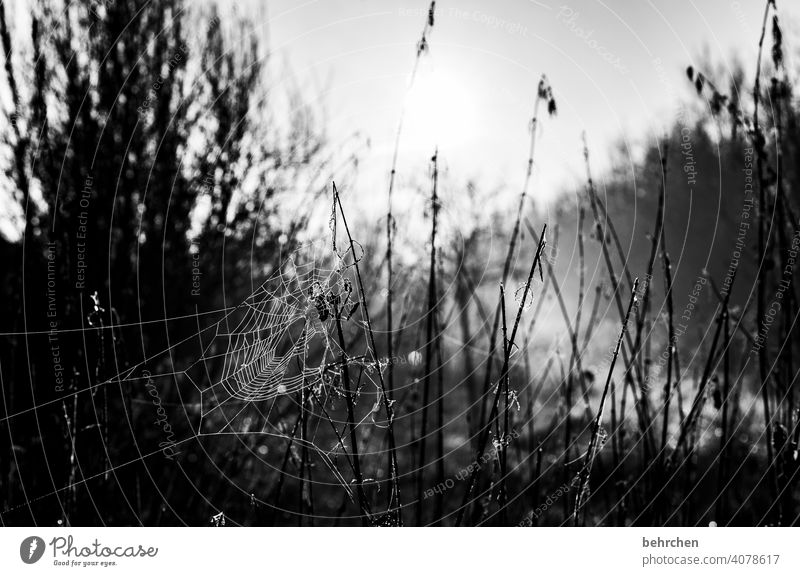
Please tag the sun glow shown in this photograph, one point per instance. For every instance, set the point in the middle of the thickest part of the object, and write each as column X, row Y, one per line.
column 441, row 111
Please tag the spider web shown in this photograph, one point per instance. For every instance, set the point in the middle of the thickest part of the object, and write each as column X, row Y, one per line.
column 273, row 344
column 270, row 351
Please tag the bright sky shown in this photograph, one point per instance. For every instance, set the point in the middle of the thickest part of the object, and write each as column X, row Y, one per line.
column 616, row 67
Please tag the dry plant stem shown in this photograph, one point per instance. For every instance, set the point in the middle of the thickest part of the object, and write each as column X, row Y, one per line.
column 505, row 436
column 786, row 354
column 530, row 403
column 72, row 433
column 300, row 421
column 351, row 422
column 477, row 401
column 738, row 319
column 439, row 510
column 598, row 292
column 463, row 298
column 616, row 448
column 763, row 360
column 671, row 349
column 586, row 471
column 575, row 365
column 790, row 309
column 784, row 360
column 575, row 353
column 430, row 344
column 545, row 287
column 673, row 354
column 601, row 215
column 472, row 288
column 282, row 473
column 512, row 244
column 303, row 458
column 508, row 344
column 722, row 513
column 389, row 216
column 581, row 272
column 623, row 402
column 601, row 232
column 486, row 427
column 575, row 356
column 612, row 231
column 537, row 477
column 395, row 503
column 642, row 403
column 306, row 482
column 538, row 309
column 567, row 433
column 614, row 436
column 389, row 320
column 688, row 424
column 656, row 241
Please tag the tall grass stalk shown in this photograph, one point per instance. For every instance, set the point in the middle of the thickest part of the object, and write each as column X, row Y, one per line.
column 656, row 241
column 761, row 256
column 395, row 504
column 544, row 93
column 351, row 422
column 486, row 428
column 575, row 355
column 390, row 224
column 721, row 511
column 504, row 439
column 591, row 452
column 430, row 343
column 440, row 419
column 587, row 335
column 642, row 403
column 671, row 350
column 689, row 423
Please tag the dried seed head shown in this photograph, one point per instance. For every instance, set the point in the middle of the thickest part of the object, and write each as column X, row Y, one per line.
column 422, row 46
column 543, row 87
column 699, row 82
column 545, row 93
column 777, row 43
